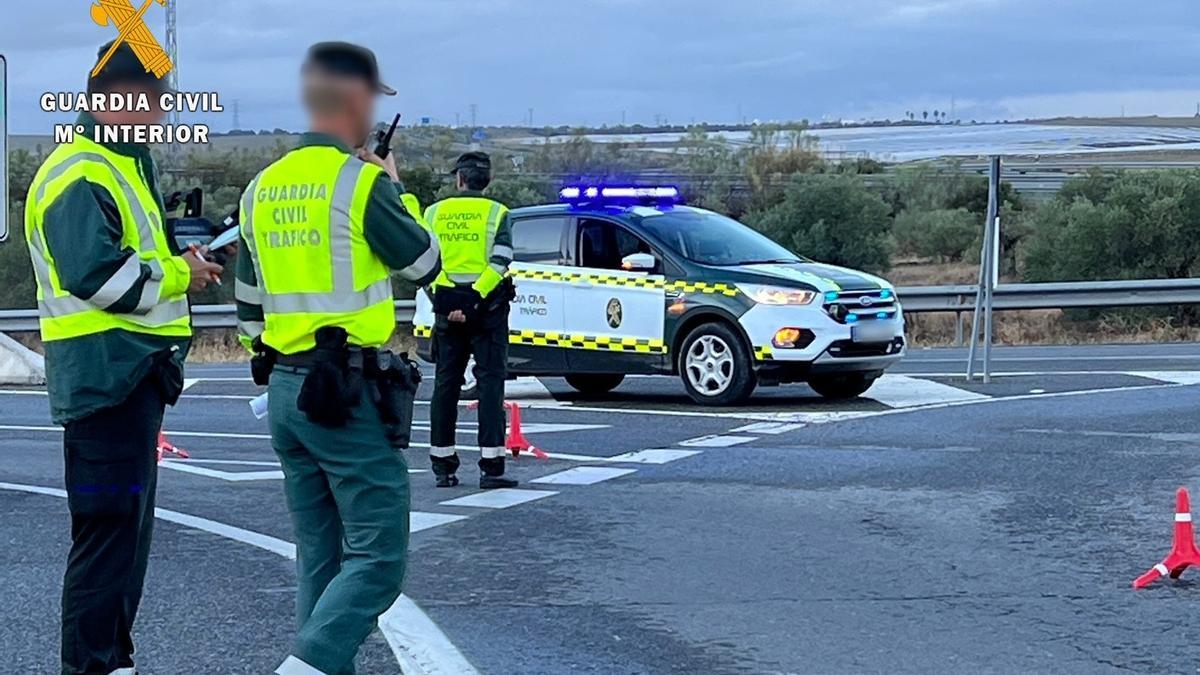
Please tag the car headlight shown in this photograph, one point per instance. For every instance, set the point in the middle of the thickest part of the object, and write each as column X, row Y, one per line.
column 777, row 295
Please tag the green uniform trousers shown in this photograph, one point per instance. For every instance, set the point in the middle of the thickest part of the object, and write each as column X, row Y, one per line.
column 348, row 493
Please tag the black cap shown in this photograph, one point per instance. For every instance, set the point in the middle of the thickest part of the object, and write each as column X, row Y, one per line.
column 123, row 67
column 473, row 160
column 343, row 58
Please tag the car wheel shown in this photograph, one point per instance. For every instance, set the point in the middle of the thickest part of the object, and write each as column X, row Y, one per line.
column 715, row 366
column 470, row 388
column 842, row 387
column 594, row 385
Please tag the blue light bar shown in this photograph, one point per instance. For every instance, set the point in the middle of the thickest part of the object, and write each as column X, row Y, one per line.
column 885, row 293
column 619, row 193
column 831, row 296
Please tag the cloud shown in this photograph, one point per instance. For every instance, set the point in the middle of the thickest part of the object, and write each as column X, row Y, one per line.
column 596, row 60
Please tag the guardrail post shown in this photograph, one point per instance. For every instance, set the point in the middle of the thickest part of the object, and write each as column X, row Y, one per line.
column 988, row 274
column 958, row 328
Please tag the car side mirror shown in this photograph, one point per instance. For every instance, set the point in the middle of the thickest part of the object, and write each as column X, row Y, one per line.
column 639, row 262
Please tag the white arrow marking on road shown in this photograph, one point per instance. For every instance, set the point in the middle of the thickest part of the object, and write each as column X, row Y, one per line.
column 419, row 645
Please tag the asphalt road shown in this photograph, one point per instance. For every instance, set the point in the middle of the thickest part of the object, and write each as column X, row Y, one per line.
column 933, row 527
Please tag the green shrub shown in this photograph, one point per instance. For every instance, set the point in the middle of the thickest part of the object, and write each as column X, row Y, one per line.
column 1132, row 225
column 945, row 234
column 831, row 218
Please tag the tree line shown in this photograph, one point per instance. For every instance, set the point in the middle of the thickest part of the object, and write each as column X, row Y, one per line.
column 1104, row 225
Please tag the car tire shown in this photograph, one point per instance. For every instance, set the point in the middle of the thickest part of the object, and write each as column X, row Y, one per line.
column 595, row 385
column 843, row 386
column 715, row 366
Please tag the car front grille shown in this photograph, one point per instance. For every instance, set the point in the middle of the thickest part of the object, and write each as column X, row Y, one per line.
column 865, row 305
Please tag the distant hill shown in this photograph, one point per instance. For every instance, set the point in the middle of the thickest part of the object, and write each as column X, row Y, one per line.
column 1147, row 121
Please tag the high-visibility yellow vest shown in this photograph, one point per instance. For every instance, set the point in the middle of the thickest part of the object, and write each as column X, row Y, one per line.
column 302, row 218
column 466, row 230
column 63, row 316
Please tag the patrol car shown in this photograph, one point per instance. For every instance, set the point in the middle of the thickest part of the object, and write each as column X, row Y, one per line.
column 619, row 280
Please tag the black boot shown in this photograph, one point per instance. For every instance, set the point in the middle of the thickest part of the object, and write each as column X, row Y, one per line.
column 444, row 469
column 491, row 475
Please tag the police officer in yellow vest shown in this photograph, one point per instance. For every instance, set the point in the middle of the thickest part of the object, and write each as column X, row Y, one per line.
column 322, row 229
column 471, row 300
column 112, row 301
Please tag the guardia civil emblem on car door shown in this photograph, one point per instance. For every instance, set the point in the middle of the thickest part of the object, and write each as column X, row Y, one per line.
column 614, row 313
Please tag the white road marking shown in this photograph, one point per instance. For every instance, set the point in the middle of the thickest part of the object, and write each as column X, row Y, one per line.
column 499, row 499
column 772, row 428
column 716, row 441
column 231, row 476
column 1173, row 376
column 900, row 391
column 420, row 647
column 583, row 475
column 653, row 456
column 422, row 520
column 189, row 381
column 1165, row 437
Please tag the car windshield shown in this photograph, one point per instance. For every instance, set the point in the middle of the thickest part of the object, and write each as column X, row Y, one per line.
column 712, row 239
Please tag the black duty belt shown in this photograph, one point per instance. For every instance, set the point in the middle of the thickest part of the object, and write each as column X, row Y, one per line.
column 356, row 357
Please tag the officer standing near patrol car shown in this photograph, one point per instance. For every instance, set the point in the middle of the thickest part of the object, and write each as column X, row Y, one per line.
column 471, row 300
column 114, row 318
column 322, row 228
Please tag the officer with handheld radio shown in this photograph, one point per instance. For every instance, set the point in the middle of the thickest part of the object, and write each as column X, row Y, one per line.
column 321, row 229
column 471, row 300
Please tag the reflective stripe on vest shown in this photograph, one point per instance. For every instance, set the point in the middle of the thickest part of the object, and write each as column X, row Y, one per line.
column 63, row 315
column 466, row 230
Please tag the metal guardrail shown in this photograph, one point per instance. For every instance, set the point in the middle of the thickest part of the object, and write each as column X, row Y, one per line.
column 915, row 300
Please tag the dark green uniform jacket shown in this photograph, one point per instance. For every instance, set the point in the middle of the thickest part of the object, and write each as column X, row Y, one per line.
column 83, row 232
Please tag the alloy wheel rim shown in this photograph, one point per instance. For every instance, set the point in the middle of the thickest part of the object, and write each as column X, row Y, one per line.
column 709, row 365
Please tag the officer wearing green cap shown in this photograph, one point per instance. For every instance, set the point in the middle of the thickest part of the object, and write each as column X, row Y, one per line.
column 471, row 300
column 323, row 230
column 112, row 302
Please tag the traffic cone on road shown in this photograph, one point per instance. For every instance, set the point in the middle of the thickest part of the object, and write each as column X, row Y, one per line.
column 1183, row 549
column 166, row 447
column 516, row 443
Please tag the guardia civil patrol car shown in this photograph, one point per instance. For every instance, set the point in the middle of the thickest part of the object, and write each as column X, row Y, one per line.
column 627, row 280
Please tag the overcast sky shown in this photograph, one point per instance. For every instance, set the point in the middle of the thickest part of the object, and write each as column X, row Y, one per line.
column 588, row 61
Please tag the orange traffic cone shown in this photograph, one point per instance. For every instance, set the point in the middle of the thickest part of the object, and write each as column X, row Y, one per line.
column 165, row 446
column 516, row 443
column 1183, row 549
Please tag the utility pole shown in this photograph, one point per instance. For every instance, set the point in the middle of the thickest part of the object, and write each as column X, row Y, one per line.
column 531, row 118
column 237, row 118
column 474, row 114
column 173, row 76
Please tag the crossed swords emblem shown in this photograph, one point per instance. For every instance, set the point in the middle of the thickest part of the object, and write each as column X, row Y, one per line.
column 131, row 29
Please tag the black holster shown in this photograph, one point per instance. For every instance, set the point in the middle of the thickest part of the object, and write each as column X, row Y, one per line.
column 262, row 363
column 334, row 384
column 394, row 381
